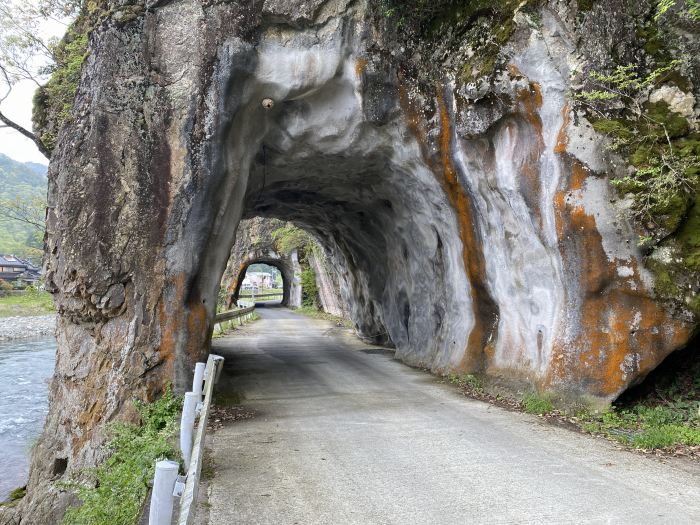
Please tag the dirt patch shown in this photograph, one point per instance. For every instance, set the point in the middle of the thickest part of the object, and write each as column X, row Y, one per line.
column 220, row 416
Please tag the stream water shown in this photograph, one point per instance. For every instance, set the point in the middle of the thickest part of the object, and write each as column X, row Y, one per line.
column 25, row 368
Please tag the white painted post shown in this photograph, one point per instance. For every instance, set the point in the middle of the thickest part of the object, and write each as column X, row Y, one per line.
column 189, row 408
column 198, row 379
column 161, row 511
column 218, row 371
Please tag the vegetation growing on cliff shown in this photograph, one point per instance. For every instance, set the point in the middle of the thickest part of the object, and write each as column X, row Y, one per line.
column 647, row 110
column 120, row 484
column 657, row 141
column 54, row 100
column 483, row 25
column 289, row 238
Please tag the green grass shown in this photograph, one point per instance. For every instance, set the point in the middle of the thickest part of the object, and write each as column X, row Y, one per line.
column 646, row 427
column 119, row 487
column 16, row 495
column 311, row 311
column 469, row 381
column 536, row 403
column 33, row 303
column 661, row 413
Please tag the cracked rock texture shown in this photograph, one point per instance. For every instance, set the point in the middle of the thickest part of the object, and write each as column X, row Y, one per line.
column 471, row 226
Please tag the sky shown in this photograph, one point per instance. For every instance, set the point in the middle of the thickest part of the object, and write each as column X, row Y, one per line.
column 18, row 107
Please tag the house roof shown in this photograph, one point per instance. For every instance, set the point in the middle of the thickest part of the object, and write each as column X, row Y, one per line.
column 15, row 262
column 11, row 261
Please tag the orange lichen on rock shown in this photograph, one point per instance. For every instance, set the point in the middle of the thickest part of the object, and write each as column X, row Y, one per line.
column 530, row 183
column 482, row 336
column 481, row 341
column 563, row 137
column 615, row 332
column 360, row 66
column 530, row 101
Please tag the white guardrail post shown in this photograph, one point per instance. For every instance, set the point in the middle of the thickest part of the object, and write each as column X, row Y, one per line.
column 198, row 380
column 161, row 511
column 189, row 411
column 166, row 484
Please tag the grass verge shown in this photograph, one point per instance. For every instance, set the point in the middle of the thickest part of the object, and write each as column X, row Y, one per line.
column 661, row 416
column 315, row 313
column 32, row 303
column 119, row 486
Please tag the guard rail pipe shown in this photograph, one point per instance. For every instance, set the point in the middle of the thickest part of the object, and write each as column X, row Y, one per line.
column 167, row 485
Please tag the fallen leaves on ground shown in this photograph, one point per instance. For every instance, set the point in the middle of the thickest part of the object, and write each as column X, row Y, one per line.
column 219, row 416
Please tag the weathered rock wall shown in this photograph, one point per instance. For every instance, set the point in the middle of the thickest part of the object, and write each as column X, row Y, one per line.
column 472, row 224
column 328, row 285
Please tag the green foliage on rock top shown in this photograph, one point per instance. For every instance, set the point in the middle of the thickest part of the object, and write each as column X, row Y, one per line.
column 289, row 238
column 485, row 25
column 119, row 488
column 53, row 101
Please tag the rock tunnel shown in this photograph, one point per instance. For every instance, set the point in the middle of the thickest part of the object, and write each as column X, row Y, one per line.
column 254, row 245
column 473, row 229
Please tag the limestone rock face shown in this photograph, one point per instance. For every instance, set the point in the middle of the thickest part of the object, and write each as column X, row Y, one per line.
column 472, row 225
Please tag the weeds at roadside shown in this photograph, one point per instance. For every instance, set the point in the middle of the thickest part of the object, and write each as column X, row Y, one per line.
column 118, row 487
column 538, row 404
column 315, row 313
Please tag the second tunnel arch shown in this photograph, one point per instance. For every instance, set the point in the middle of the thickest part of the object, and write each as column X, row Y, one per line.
column 288, row 267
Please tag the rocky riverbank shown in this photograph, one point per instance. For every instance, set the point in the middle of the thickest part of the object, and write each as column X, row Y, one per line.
column 23, row 327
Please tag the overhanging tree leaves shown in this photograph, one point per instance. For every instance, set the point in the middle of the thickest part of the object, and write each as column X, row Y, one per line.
column 25, row 55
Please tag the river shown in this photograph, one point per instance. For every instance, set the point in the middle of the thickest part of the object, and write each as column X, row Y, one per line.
column 25, row 368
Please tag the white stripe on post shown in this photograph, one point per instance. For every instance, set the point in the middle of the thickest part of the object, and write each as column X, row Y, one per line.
column 198, row 379
column 161, row 511
column 189, row 408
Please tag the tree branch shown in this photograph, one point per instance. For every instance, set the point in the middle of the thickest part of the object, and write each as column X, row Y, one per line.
column 31, row 136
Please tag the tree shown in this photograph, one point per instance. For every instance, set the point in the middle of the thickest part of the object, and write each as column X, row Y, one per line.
column 29, row 211
column 26, row 55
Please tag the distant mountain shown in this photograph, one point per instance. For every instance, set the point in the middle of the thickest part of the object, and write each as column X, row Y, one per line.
column 25, row 181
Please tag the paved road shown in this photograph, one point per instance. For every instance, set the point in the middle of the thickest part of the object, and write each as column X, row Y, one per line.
column 345, row 434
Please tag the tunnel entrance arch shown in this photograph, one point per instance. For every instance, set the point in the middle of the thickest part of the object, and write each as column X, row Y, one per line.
column 462, row 232
column 288, row 267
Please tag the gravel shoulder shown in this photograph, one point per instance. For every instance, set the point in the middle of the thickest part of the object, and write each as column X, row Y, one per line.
column 12, row 328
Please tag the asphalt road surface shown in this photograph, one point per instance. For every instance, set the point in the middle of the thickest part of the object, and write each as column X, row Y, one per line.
column 345, row 434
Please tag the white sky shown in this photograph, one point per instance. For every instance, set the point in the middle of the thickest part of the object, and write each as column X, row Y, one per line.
column 18, row 107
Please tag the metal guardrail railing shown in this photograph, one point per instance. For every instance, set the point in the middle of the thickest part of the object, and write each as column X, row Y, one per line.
column 167, row 484
column 261, row 295
column 234, row 314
